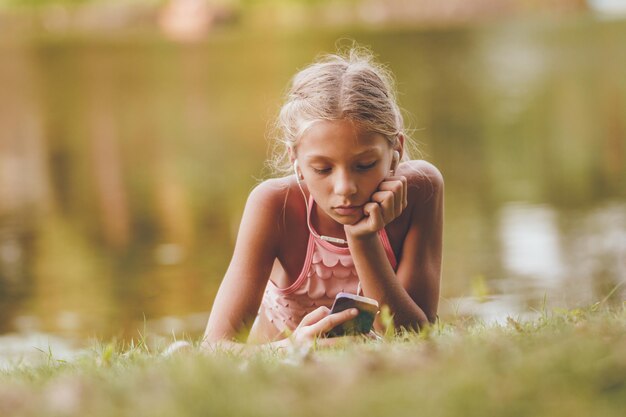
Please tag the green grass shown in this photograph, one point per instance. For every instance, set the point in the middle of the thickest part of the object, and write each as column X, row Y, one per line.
column 565, row 363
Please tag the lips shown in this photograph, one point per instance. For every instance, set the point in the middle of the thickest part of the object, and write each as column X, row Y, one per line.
column 347, row 210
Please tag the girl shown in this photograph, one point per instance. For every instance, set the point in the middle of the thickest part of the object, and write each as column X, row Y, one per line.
column 348, row 216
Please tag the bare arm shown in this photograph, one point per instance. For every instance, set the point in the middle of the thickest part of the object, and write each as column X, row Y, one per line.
column 420, row 269
column 313, row 326
column 239, row 296
column 412, row 293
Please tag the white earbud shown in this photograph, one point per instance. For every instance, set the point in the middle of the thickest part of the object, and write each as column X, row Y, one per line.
column 300, row 177
column 394, row 162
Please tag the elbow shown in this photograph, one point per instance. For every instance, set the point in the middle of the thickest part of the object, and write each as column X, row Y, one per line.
column 207, row 344
column 421, row 319
column 415, row 323
column 212, row 340
column 430, row 317
column 218, row 345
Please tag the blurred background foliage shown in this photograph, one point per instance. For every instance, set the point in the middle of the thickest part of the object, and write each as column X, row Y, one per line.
column 182, row 17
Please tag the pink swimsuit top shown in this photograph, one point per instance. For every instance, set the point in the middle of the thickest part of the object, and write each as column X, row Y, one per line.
column 327, row 270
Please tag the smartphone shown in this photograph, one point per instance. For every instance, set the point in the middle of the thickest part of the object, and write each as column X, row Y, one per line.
column 362, row 323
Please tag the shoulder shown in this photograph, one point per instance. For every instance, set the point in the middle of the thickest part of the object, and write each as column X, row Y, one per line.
column 423, row 178
column 274, row 197
column 419, row 170
column 268, row 192
column 274, row 191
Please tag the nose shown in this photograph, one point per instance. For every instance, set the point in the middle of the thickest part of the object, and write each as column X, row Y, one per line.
column 344, row 184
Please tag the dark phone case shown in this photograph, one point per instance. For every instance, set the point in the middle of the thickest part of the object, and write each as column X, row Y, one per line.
column 360, row 324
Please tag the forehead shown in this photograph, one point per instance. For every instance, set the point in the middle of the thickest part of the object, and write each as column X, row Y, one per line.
column 339, row 139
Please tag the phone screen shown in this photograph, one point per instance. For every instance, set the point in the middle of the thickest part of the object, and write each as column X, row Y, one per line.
column 362, row 323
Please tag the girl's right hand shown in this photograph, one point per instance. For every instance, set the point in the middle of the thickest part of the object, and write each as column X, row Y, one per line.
column 320, row 321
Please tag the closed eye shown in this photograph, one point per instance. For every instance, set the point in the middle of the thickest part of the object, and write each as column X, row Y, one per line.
column 321, row 170
column 359, row 167
column 367, row 166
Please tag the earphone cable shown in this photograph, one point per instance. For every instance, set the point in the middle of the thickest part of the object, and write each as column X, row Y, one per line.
column 308, row 220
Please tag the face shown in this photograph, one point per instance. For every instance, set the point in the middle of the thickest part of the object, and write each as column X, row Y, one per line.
column 342, row 166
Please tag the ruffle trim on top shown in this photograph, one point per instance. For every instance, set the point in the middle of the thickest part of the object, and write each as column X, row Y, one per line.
column 327, row 271
column 317, row 288
column 331, row 259
column 285, row 312
column 327, row 265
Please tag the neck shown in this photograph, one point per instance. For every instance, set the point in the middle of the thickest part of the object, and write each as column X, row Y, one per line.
column 325, row 225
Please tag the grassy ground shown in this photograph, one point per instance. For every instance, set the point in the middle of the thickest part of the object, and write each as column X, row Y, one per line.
column 565, row 363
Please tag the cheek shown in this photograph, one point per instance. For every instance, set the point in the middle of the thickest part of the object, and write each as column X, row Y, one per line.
column 319, row 190
column 317, row 186
column 370, row 189
column 372, row 182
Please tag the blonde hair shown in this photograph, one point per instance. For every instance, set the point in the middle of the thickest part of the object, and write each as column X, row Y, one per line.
column 348, row 85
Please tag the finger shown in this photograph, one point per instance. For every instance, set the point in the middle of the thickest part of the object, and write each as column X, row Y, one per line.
column 405, row 188
column 394, row 178
column 374, row 212
column 339, row 341
column 404, row 181
column 325, row 342
column 329, row 322
column 394, row 209
column 387, row 201
column 315, row 316
column 405, row 194
column 398, row 187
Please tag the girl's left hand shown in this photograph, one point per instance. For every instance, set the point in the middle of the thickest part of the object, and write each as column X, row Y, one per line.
column 387, row 203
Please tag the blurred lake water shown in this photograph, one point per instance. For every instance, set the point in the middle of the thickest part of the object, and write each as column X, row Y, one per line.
column 125, row 164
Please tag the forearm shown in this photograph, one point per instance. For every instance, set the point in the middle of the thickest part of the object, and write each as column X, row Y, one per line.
column 239, row 348
column 379, row 281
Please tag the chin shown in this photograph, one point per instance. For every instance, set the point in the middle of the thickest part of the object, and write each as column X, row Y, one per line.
column 348, row 220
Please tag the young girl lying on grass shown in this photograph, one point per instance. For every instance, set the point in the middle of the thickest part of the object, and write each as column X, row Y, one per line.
column 350, row 213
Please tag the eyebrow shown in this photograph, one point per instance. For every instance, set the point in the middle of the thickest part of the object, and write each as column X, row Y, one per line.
column 360, row 154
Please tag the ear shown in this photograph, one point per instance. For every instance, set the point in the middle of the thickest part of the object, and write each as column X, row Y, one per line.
column 294, row 164
column 398, row 150
column 395, row 160
column 400, row 145
column 292, row 154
